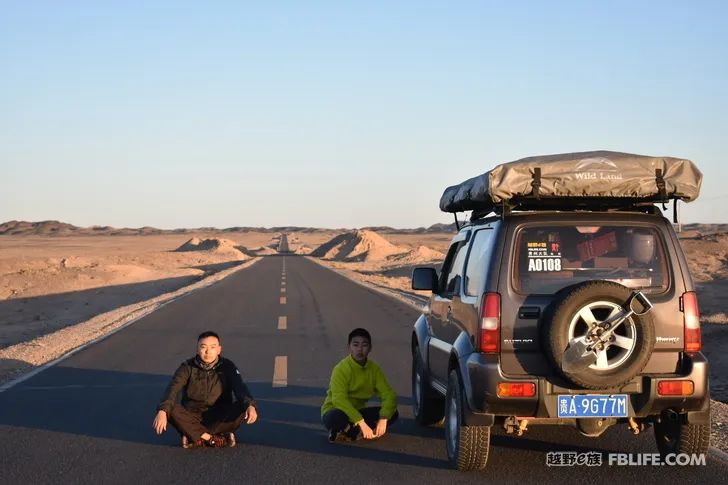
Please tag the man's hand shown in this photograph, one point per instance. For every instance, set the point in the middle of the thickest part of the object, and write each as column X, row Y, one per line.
column 381, row 428
column 366, row 431
column 251, row 415
column 160, row 422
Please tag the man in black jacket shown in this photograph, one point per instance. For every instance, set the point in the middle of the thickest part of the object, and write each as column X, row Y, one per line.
column 208, row 415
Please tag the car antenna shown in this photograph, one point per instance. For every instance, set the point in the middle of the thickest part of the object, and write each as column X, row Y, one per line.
column 457, row 225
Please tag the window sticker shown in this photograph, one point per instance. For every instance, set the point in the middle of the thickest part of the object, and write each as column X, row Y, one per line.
column 544, row 256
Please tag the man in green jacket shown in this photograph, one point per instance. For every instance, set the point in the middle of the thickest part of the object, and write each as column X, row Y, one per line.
column 354, row 381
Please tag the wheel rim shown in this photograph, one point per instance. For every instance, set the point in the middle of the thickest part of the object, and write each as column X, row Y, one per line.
column 452, row 424
column 624, row 338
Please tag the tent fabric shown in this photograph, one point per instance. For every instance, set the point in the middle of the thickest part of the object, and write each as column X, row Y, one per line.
column 593, row 175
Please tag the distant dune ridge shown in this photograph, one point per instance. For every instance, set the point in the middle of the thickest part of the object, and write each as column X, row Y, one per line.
column 56, row 228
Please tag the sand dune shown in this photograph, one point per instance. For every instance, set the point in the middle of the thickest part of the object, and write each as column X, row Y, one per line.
column 215, row 245
column 358, row 246
column 302, row 249
column 421, row 254
column 258, row 251
column 365, row 246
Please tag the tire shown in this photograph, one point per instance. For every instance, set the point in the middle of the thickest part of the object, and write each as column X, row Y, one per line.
column 621, row 360
column 427, row 405
column 677, row 436
column 467, row 446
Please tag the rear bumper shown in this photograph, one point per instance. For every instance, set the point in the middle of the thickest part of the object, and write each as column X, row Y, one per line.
column 485, row 374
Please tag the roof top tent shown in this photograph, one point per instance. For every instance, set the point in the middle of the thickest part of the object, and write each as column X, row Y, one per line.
column 598, row 180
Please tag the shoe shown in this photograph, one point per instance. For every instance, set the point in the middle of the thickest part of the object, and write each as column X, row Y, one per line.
column 231, row 441
column 217, row 441
column 353, row 433
column 333, row 435
column 188, row 443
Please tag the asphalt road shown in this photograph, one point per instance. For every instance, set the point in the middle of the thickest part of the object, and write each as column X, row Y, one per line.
column 88, row 419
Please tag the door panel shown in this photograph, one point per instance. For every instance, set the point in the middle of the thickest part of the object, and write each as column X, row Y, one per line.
column 443, row 330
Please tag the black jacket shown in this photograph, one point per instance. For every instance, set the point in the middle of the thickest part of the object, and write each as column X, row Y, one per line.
column 203, row 388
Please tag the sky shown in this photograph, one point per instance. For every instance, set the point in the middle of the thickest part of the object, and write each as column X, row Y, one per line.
column 339, row 114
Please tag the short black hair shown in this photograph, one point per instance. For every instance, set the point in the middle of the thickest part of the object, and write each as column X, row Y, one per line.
column 360, row 332
column 209, row 333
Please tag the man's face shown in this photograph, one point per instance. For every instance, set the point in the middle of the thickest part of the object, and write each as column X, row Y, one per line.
column 208, row 349
column 359, row 348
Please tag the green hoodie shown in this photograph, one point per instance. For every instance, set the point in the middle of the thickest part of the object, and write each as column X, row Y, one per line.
column 353, row 384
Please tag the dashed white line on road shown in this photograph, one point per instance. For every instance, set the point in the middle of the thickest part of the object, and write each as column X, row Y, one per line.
column 283, row 300
column 282, row 323
column 280, row 371
column 283, row 290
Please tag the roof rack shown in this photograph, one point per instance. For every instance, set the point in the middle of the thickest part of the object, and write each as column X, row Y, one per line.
column 557, row 204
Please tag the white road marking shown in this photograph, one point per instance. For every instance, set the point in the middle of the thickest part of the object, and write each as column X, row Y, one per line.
column 280, row 371
column 282, row 323
column 283, row 300
column 283, row 290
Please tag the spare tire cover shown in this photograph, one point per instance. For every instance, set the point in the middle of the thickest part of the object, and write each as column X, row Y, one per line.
column 580, row 306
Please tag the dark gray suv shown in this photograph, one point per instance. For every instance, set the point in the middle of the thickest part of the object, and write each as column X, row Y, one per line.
column 557, row 317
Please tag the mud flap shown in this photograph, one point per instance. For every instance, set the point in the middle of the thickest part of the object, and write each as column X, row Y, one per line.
column 478, row 419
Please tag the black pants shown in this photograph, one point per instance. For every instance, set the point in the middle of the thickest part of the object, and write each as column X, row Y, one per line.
column 337, row 420
column 222, row 418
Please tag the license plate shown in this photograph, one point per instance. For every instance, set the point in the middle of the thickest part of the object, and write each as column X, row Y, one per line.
column 592, row 406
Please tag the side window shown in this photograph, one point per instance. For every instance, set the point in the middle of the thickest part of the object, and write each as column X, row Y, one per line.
column 476, row 270
column 453, row 277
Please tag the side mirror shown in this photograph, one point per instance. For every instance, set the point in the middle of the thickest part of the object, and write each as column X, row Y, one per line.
column 424, row 278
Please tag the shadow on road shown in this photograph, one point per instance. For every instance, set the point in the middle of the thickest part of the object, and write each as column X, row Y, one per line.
column 121, row 405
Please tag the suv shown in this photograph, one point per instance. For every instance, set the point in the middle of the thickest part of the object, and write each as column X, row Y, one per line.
column 559, row 317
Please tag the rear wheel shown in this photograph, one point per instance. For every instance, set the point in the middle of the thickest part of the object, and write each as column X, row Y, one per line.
column 427, row 405
column 467, row 446
column 674, row 435
column 584, row 307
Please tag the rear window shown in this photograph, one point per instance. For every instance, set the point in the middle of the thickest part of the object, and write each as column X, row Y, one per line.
column 550, row 258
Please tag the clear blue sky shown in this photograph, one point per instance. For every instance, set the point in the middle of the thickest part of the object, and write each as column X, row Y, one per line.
column 339, row 114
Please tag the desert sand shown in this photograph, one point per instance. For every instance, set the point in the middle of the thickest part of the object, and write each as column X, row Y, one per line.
column 61, row 286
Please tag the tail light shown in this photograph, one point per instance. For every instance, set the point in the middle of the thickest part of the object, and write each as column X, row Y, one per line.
column 490, row 316
column 675, row 388
column 512, row 389
column 691, row 317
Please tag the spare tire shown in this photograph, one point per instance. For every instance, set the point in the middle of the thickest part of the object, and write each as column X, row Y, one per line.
column 580, row 306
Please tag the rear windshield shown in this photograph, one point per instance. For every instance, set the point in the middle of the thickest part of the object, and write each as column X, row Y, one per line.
column 550, row 258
